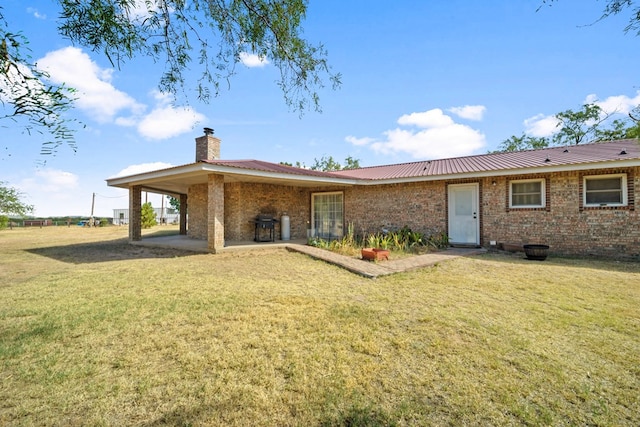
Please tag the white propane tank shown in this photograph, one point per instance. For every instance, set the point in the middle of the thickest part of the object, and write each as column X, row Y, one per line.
column 285, row 227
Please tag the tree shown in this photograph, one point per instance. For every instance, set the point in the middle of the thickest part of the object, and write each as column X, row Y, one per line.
column 174, row 203
column 211, row 35
column 579, row 126
column 574, row 127
column 147, row 216
column 328, row 164
column 618, row 130
column 524, row 142
column 351, row 163
column 633, row 131
column 10, row 203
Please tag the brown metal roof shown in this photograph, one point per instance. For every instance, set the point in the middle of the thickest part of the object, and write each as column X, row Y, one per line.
column 555, row 156
column 588, row 156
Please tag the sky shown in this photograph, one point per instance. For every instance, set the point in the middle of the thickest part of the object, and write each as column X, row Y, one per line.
column 420, row 80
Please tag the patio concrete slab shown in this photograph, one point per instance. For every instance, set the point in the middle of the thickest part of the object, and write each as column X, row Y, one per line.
column 180, row 241
column 376, row 269
column 353, row 264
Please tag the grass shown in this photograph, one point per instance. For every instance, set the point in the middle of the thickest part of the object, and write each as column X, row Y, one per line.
column 94, row 331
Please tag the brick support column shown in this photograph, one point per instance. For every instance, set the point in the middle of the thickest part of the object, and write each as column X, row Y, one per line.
column 215, row 217
column 183, row 214
column 135, row 213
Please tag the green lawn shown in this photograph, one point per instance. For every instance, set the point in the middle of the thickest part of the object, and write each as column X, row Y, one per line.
column 97, row 332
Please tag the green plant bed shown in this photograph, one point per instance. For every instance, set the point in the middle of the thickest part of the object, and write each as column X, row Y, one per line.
column 401, row 243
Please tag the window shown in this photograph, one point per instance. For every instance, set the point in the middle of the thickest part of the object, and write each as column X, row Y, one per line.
column 605, row 190
column 326, row 215
column 527, row 193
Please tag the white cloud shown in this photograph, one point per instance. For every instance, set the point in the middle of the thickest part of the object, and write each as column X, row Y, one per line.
column 126, row 121
column 541, row 125
column 426, row 119
column 164, row 121
column 36, row 13
column 141, row 168
column 620, row 104
column 168, row 121
column 437, row 136
column 140, row 10
column 469, row 112
column 50, row 181
column 106, row 104
column 52, row 191
column 252, row 60
column 96, row 95
column 359, row 141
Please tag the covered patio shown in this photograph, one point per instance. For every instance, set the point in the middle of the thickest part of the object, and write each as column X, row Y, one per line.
column 220, row 199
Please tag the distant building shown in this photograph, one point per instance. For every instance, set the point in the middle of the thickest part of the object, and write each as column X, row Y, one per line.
column 37, row 222
column 163, row 216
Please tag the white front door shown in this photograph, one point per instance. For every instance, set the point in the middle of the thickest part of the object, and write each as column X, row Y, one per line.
column 464, row 222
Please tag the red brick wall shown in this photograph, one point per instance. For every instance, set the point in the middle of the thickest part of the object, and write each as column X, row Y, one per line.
column 562, row 224
column 420, row 206
column 566, row 227
column 244, row 201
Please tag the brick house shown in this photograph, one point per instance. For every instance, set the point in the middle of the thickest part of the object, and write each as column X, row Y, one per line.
column 580, row 199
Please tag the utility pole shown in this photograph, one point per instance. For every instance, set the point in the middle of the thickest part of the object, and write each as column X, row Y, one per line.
column 93, row 203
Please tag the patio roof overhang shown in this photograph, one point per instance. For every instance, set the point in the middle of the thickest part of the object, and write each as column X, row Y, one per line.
column 177, row 180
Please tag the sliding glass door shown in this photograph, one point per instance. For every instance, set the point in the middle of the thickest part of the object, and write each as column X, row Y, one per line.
column 327, row 215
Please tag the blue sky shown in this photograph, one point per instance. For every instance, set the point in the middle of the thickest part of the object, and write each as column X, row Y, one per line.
column 421, row 80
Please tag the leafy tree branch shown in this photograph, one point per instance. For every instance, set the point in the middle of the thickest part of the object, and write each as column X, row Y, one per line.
column 208, row 36
column 616, row 7
column 26, row 99
column 169, row 30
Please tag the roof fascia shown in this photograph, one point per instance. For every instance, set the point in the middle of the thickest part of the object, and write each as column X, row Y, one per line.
column 125, row 181
column 230, row 170
column 194, row 168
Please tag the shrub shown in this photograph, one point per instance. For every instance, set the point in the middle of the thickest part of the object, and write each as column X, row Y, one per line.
column 439, row 241
column 148, row 216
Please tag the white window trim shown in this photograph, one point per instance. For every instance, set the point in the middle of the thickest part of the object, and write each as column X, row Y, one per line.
column 543, row 195
column 624, row 189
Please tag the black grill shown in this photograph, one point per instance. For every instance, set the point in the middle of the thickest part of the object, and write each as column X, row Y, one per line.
column 265, row 228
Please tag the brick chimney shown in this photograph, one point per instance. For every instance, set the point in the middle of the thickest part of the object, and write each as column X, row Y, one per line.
column 207, row 146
